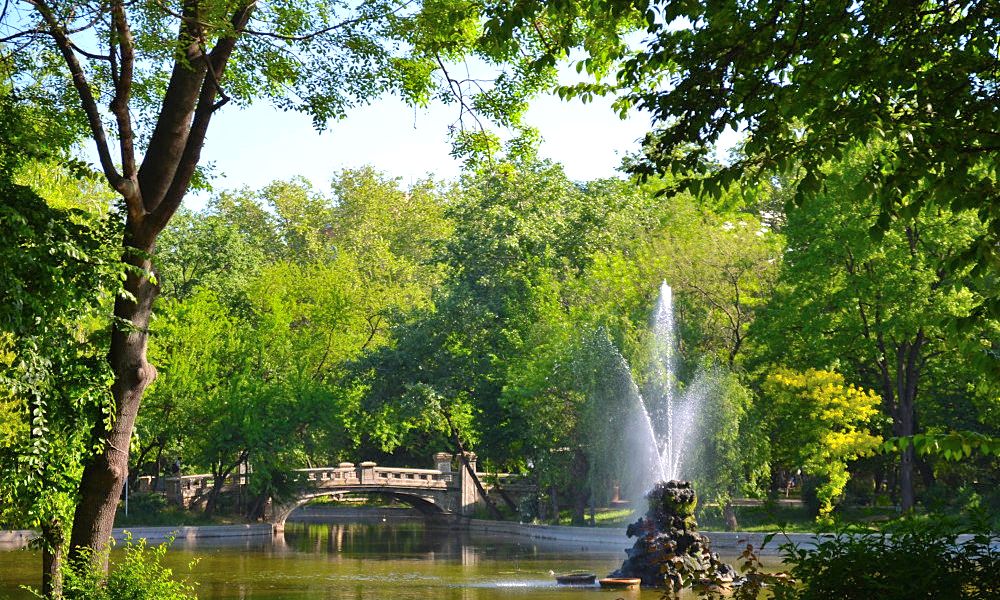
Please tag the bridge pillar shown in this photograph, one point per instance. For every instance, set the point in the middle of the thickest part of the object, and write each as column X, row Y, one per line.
column 442, row 461
column 468, row 492
column 366, row 472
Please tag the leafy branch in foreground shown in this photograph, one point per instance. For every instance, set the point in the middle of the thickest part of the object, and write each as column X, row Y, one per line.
column 954, row 446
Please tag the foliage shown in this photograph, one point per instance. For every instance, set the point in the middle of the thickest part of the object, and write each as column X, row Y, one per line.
column 723, row 266
column 818, row 423
column 729, row 457
column 268, row 295
column 522, row 231
column 883, row 311
column 805, row 81
column 165, row 71
column 952, row 446
column 138, row 574
column 58, row 270
column 910, row 559
column 205, row 251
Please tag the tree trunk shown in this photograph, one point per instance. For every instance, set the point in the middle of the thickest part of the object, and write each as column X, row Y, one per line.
column 906, row 496
column 926, row 473
column 255, row 512
column 540, row 504
column 580, row 507
column 904, row 428
column 105, row 473
column 158, row 483
column 505, row 496
column 907, row 374
column 218, row 482
column 729, row 515
column 212, row 502
column 581, row 491
column 554, row 497
column 52, row 560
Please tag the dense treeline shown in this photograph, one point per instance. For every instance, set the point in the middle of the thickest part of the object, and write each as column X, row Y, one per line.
column 506, row 313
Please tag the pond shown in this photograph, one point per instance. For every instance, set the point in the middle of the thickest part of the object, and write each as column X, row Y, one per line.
column 403, row 559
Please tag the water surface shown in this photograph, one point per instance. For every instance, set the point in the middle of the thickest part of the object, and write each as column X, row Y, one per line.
column 396, row 559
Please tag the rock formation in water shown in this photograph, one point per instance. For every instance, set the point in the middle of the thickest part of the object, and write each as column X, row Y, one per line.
column 669, row 550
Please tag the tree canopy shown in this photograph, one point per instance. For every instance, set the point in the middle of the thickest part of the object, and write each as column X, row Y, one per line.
column 805, row 82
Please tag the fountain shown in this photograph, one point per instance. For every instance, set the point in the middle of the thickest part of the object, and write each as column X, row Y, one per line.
column 668, row 550
column 675, row 413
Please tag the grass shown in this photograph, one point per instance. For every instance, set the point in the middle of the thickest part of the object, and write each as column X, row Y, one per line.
column 795, row 519
column 763, row 518
column 153, row 510
column 170, row 517
column 603, row 517
column 356, row 501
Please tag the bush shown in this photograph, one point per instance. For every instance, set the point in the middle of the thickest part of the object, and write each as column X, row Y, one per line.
column 907, row 560
column 148, row 504
column 139, row 574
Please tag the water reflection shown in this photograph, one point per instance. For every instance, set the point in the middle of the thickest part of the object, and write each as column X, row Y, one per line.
column 407, row 559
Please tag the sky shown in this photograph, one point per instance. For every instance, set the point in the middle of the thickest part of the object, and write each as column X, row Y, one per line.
column 254, row 146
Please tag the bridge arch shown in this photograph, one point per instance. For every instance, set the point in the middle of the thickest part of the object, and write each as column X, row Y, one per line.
column 425, row 505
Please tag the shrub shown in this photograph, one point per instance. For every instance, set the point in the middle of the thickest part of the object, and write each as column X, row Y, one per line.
column 138, row 574
column 907, row 560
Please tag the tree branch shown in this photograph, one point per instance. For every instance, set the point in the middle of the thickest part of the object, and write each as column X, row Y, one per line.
column 215, row 63
column 123, row 89
column 306, row 36
column 87, row 101
column 89, row 55
column 169, row 139
column 19, row 34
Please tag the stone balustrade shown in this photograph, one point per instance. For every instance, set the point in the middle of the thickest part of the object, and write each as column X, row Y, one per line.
column 442, row 489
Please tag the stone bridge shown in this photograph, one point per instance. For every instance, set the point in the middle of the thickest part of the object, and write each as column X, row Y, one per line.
column 444, row 491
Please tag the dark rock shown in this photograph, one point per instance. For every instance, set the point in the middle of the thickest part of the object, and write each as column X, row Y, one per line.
column 668, row 550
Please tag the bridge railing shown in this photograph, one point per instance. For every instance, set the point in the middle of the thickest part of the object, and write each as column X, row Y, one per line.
column 412, row 477
column 368, row 473
column 340, row 475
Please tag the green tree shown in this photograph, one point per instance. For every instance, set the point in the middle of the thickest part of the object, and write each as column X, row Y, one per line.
column 163, row 90
column 730, row 457
column 723, row 267
column 806, row 82
column 205, row 251
column 57, row 277
column 253, row 341
column 883, row 308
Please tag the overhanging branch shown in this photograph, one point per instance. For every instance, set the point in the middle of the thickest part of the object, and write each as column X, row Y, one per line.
column 88, row 102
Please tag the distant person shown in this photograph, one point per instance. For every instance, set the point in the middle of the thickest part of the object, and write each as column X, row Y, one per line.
column 175, row 467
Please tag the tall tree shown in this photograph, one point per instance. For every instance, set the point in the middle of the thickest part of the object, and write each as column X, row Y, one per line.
column 887, row 307
column 165, row 70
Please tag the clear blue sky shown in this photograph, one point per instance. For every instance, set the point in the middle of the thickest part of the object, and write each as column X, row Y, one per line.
column 257, row 145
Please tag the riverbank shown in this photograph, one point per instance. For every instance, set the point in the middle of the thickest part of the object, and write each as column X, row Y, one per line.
column 17, row 539
column 591, row 538
column 584, row 538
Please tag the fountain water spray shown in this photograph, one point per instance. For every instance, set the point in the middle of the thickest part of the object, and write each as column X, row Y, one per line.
column 643, row 436
column 668, row 417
